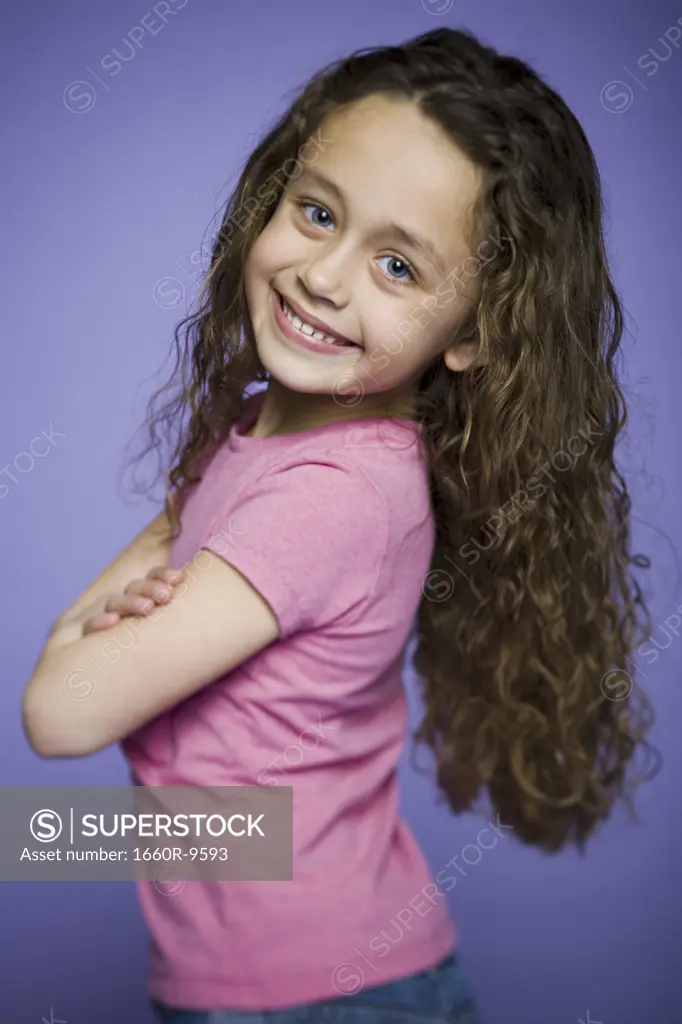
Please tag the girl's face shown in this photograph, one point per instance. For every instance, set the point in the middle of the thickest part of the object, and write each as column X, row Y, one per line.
column 368, row 242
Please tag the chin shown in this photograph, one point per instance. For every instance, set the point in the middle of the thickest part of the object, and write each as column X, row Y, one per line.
column 280, row 365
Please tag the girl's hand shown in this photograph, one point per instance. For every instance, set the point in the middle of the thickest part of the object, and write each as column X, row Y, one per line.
column 139, row 598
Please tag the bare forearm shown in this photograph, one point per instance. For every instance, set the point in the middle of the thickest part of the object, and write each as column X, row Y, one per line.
column 57, row 707
column 150, row 548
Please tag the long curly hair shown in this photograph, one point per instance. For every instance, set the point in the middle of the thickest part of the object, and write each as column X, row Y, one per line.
column 530, row 612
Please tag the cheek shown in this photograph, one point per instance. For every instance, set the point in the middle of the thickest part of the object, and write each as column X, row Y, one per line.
column 401, row 346
column 261, row 267
column 399, row 339
column 273, row 250
column 257, row 265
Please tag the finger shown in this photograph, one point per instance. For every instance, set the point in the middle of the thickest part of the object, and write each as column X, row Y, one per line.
column 154, row 589
column 105, row 620
column 129, row 604
column 166, row 573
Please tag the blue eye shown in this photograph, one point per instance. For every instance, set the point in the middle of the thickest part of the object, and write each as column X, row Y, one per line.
column 405, row 266
column 315, row 206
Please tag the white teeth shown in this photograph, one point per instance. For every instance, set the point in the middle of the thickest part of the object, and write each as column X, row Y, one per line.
column 305, row 328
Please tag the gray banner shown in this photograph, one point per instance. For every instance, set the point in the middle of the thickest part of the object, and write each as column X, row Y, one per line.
column 157, row 833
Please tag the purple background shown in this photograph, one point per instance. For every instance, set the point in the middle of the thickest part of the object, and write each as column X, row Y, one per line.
column 107, row 196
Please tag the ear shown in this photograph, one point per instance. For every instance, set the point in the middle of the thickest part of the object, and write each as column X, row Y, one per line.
column 460, row 356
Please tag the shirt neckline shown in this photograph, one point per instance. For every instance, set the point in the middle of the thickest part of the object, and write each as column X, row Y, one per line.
column 388, row 427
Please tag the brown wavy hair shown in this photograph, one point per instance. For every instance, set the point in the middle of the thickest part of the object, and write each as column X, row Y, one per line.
column 530, row 612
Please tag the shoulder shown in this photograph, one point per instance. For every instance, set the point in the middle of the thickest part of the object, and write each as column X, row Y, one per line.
column 323, row 491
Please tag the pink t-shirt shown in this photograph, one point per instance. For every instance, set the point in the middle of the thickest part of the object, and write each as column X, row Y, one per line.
column 333, row 526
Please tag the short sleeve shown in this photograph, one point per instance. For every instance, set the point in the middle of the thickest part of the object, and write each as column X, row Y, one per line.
column 310, row 537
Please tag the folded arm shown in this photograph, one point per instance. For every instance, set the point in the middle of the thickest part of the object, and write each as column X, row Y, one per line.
column 91, row 692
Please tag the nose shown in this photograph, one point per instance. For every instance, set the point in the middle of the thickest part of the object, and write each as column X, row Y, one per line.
column 327, row 276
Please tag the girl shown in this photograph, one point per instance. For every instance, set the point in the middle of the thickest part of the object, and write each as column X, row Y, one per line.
column 413, row 263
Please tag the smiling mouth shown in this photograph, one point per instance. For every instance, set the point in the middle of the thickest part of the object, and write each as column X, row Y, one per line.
column 309, row 330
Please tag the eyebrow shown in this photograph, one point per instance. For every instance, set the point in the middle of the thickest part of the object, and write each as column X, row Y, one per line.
column 410, row 238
